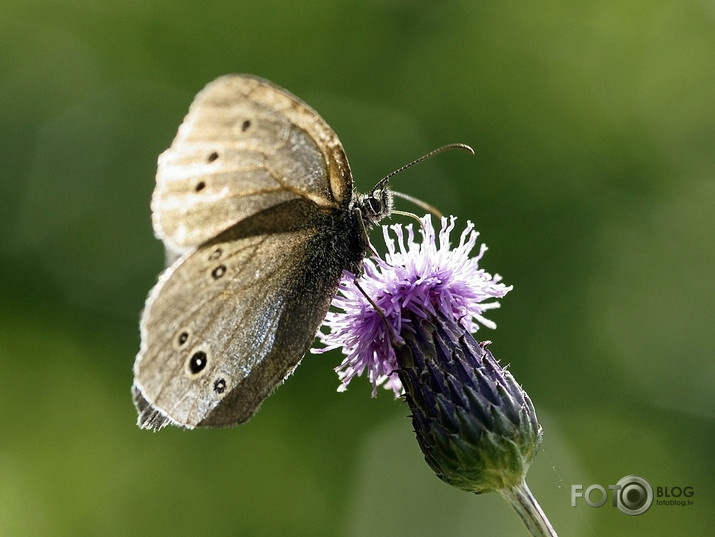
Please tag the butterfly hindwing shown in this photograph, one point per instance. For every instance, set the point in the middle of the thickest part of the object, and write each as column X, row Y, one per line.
column 227, row 323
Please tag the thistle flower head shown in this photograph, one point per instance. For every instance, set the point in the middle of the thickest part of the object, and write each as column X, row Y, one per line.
column 475, row 425
column 414, row 279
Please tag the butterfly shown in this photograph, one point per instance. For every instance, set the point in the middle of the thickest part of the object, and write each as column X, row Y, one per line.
column 255, row 205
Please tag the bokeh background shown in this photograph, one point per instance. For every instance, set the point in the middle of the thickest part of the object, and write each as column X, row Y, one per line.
column 593, row 186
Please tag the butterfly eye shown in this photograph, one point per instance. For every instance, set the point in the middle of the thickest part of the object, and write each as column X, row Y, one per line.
column 197, row 363
column 374, row 203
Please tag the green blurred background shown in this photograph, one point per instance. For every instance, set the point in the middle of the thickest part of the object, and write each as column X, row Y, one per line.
column 593, row 185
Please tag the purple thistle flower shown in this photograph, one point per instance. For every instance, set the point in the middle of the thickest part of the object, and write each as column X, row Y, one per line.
column 416, row 279
column 475, row 425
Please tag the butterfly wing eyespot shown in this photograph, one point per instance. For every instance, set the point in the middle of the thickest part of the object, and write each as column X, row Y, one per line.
column 218, row 272
column 219, row 385
column 196, row 364
column 182, row 338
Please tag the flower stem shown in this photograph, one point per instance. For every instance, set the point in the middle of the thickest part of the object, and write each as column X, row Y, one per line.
column 529, row 510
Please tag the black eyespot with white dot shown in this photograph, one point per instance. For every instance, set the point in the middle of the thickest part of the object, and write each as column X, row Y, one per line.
column 182, row 338
column 245, row 125
column 212, row 156
column 218, row 272
column 197, row 363
column 220, row 385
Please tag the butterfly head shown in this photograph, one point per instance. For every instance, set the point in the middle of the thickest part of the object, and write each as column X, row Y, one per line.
column 377, row 204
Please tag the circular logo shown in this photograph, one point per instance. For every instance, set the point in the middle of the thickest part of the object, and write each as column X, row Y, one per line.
column 634, row 495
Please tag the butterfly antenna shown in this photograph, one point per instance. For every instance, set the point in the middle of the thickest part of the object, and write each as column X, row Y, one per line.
column 431, row 154
column 424, row 205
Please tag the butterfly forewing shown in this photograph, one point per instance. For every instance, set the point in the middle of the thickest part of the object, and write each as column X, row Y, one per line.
column 244, row 146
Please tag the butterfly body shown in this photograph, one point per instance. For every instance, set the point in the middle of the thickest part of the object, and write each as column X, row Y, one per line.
column 255, row 205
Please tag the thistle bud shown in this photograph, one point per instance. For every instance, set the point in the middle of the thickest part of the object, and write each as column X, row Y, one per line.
column 475, row 425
